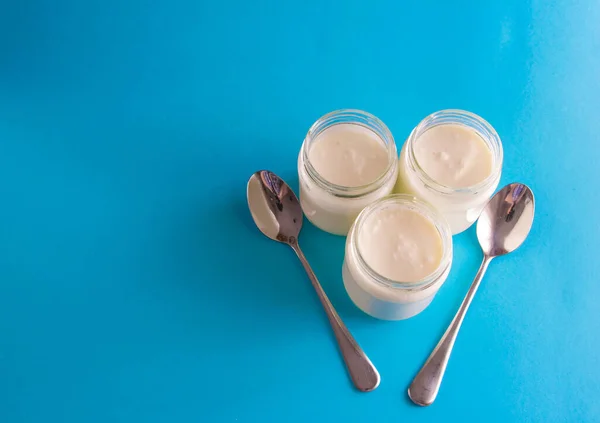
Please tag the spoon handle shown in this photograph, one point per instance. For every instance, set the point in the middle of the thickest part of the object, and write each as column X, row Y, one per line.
column 364, row 375
column 425, row 386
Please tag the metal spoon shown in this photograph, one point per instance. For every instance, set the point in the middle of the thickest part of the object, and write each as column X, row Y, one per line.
column 277, row 213
column 502, row 227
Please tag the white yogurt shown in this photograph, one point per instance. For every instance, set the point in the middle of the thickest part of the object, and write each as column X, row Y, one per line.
column 452, row 160
column 348, row 155
column 347, row 161
column 398, row 254
column 454, row 155
column 400, row 244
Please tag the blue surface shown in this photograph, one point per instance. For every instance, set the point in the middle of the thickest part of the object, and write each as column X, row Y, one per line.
column 133, row 284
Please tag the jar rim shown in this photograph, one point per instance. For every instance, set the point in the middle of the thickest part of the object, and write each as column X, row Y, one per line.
column 474, row 122
column 355, row 117
column 425, row 210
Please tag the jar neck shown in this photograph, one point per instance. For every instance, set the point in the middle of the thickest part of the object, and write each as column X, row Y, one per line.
column 355, row 117
column 422, row 208
column 456, row 117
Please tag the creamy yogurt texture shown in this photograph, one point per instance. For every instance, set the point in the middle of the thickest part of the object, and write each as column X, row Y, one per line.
column 453, row 155
column 344, row 167
column 405, row 241
column 348, row 155
column 400, row 244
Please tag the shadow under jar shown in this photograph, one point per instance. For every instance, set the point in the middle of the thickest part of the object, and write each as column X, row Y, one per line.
column 452, row 160
column 398, row 255
column 347, row 161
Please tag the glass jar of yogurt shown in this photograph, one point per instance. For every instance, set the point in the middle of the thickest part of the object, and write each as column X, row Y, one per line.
column 452, row 160
column 347, row 161
column 398, row 255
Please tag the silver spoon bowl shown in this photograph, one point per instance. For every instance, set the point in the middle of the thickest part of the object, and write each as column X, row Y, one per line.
column 277, row 213
column 502, row 227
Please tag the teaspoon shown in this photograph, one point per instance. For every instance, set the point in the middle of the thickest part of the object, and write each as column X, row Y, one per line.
column 502, row 227
column 277, row 213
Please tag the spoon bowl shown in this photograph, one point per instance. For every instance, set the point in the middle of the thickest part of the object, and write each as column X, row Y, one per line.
column 501, row 228
column 274, row 207
column 277, row 213
column 506, row 221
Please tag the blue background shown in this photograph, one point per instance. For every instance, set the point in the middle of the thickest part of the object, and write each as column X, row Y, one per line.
column 134, row 286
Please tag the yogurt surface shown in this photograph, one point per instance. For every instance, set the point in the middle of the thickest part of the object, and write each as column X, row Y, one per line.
column 400, row 244
column 349, row 155
column 453, row 155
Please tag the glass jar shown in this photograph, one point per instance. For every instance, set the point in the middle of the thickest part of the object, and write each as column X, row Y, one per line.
column 390, row 299
column 460, row 206
column 333, row 208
